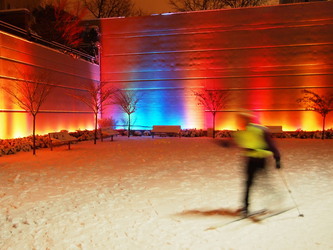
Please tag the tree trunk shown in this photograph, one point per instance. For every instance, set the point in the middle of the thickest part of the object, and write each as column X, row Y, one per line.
column 323, row 132
column 34, row 134
column 95, row 134
column 129, row 125
column 214, row 114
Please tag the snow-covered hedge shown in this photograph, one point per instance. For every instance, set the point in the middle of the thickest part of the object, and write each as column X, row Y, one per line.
column 193, row 133
column 12, row 146
column 300, row 134
column 305, row 134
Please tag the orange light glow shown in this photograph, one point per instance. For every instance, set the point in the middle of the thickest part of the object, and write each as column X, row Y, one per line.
column 25, row 61
column 57, row 122
column 226, row 121
column 310, row 121
column 194, row 115
column 19, row 124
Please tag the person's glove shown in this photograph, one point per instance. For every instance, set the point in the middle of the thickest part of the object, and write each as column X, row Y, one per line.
column 278, row 164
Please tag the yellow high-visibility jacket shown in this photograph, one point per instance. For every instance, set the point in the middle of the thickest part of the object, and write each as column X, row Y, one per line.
column 253, row 140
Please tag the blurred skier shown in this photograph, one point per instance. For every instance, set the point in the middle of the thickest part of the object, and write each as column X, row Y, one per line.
column 258, row 145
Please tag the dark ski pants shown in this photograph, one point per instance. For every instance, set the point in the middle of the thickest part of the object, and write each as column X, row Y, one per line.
column 253, row 165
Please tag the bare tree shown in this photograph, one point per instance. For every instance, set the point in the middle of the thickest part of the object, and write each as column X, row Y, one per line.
column 194, row 5
column 29, row 93
column 96, row 96
column 243, row 3
column 127, row 101
column 69, row 23
column 322, row 104
column 213, row 100
column 54, row 23
column 110, row 8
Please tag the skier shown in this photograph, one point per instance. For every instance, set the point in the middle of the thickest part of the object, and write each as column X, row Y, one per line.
column 258, row 145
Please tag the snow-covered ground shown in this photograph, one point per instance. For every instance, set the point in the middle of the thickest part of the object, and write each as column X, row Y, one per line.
column 162, row 193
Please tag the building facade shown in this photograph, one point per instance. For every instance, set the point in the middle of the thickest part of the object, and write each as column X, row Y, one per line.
column 22, row 60
column 263, row 56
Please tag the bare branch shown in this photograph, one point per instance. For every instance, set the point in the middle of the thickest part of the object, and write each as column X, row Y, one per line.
column 96, row 96
column 53, row 22
column 213, row 101
column 315, row 102
column 29, row 93
column 128, row 102
column 110, row 8
column 195, row 5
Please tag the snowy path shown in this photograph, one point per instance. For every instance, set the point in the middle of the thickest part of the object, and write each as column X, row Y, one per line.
column 139, row 193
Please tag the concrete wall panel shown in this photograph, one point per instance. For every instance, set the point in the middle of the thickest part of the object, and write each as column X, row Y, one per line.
column 22, row 60
column 264, row 56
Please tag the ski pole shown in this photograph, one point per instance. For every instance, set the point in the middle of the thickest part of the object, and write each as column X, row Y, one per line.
column 291, row 195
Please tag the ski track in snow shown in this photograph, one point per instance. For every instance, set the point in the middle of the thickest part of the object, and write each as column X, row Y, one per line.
column 132, row 194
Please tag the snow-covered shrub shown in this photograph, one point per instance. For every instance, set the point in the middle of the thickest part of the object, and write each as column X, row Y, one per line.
column 287, row 135
column 83, row 135
column 137, row 133
column 281, row 135
column 147, row 133
column 124, row 132
column 329, row 134
column 304, row 134
column 223, row 134
column 12, row 146
column 192, row 133
column 317, row 135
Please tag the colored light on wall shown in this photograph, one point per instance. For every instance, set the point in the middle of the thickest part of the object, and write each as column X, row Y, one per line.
column 194, row 116
column 265, row 63
column 25, row 60
column 226, row 121
column 19, row 124
column 158, row 109
column 310, row 121
column 64, row 121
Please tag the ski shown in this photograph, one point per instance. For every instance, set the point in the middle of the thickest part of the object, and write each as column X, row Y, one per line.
column 251, row 216
column 269, row 215
column 256, row 217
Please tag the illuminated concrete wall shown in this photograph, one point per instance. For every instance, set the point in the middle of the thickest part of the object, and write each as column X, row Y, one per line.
column 65, row 73
column 265, row 56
